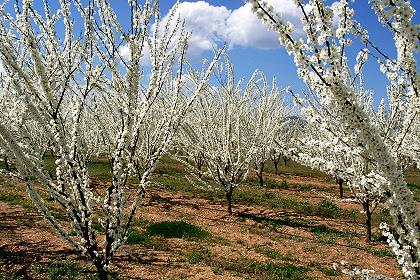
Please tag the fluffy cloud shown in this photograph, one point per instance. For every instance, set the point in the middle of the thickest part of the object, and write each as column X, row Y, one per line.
column 246, row 29
column 211, row 25
column 240, row 27
column 207, row 24
column 125, row 53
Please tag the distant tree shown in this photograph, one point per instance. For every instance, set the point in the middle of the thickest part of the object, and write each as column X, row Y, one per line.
column 275, row 157
column 265, row 115
column 219, row 128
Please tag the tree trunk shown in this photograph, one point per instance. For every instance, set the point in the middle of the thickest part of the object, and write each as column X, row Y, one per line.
column 276, row 165
column 229, row 199
column 259, row 172
column 340, row 183
column 199, row 170
column 102, row 273
column 6, row 163
column 261, row 179
column 285, row 162
column 368, row 222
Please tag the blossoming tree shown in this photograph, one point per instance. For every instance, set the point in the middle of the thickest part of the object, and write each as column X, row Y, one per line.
column 86, row 98
column 320, row 60
column 266, row 115
column 220, row 128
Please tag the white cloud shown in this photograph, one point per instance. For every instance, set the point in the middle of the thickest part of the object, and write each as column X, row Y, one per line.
column 206, row 22
column 125, row 54
column 246, row 29
column 124, row 51
column 212, row 25
column 240, row 27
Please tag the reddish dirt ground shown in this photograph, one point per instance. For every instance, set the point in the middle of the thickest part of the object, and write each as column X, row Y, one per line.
column 27, row 239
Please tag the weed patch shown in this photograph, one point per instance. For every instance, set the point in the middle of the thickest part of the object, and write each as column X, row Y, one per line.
column 11, row 276
column 380, row 252
column 200, row 255
column 13, row 198
column 328, row 271
column 273, row 254
column 98, row 227
column 326, row 208
column 264, row 270
column 137, row 238
column 177, row 229
column 11, row 256
column 145, row 240
column 59, row 270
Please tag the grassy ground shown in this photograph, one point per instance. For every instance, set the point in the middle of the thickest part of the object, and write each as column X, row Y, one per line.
column 293, row 228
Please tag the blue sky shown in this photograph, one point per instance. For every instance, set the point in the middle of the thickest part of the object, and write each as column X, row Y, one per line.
column 250, row 47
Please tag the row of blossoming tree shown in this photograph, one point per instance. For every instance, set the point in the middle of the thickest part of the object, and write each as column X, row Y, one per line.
column 79, row 97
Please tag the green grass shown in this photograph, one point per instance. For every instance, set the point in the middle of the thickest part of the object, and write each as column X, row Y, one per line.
column 415, row 188
column 179, row 183
column 163, row 169
column 138, row 238
column 66, row 270
column 60, row 270
column 199, row 255
column 274, row 222
column 273, row 254
column 376, row 252
column 328, row 271
column 98, row 227
column 324, row 208
column 283, row 185
column 412, row 177
column 294, row 168
column 15, row 198
column 11, row 276
column 248, row 267
column 323, row 230
column 99, row 169
column 380, row 252
column 324, row 234
column 263, row 270
column 328, row 236
column 177, row 229
column 145, row 240
column 153, row 235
